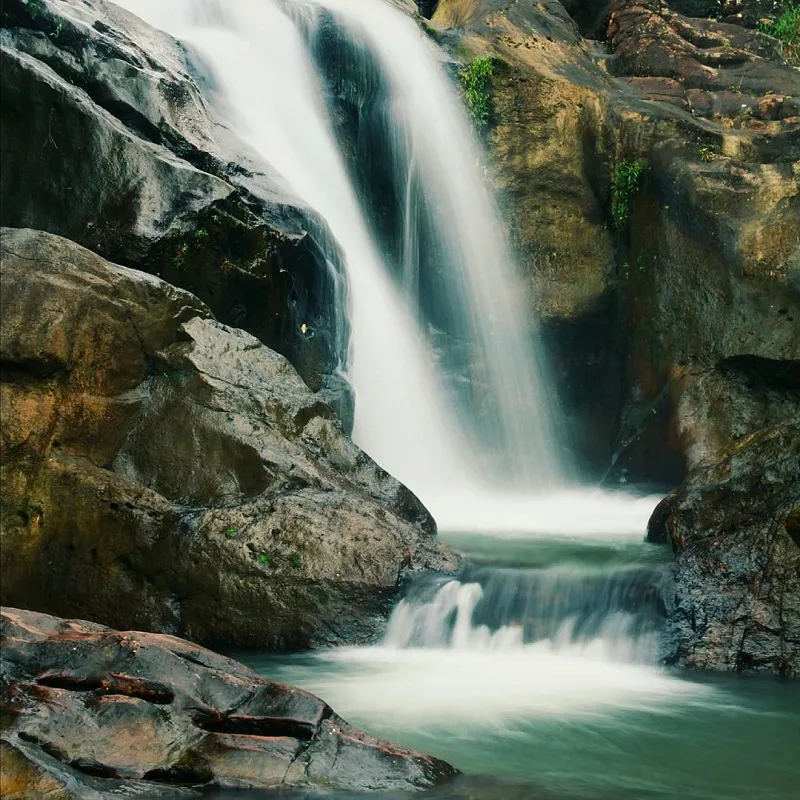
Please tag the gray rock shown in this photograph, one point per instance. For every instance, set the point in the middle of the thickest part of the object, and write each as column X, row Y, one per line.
column 163, row 471
column 735, row 527
column 108, row 140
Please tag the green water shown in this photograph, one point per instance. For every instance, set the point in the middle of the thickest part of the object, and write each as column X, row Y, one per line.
column 564, row 722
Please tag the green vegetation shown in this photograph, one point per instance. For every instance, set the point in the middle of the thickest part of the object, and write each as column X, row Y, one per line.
column 263, row 558
column 707, row 153
column 624, row 185
column 180, row 255
column 230, row 531
column 475, row 80
column 295, row 560
column 36, row 7
column 200, row 234
column 786, row 29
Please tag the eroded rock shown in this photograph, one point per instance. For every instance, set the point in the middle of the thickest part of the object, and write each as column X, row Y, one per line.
column 88, row 710
column 163, row 471
column 735, row 601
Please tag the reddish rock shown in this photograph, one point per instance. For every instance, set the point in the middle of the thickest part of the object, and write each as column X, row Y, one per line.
column 86, row 707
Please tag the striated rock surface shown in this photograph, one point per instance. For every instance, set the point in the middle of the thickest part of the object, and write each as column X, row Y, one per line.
column 735, row 528
column 108, row 139
column 90, row 712
column 162, row 471
column 706, row 265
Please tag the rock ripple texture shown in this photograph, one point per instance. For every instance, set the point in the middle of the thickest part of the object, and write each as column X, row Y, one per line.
column 91, row 712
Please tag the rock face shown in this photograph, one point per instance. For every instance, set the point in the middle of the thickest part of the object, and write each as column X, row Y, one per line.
column 88, row 710
column 706, row 266
column 165, row 472
column 107, row 140
column 735, row 529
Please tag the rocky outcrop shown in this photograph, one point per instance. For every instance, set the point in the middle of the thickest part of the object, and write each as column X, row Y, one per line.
column 162, row 471
column 108, row 140
column 90, row 712
column 705, row 267
column 735, row 528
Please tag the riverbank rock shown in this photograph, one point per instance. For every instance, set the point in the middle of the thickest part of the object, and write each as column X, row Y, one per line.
column 735, row 528
column 702, row 264
column 88, row 710
column 163, row 471
column 108, row 140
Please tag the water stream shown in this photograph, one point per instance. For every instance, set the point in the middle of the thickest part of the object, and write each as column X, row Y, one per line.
column 539, row 665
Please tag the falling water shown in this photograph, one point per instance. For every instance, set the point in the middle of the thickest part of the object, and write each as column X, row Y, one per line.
column 487, row 458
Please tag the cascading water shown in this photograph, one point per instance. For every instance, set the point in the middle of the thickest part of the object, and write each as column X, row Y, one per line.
column 502, row 469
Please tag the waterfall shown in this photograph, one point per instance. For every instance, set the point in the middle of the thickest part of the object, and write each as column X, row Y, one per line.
column 444, row 369
column 613, row 615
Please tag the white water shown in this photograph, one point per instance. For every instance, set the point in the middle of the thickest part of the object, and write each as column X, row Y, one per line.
column 404, row 417
column 440, row 669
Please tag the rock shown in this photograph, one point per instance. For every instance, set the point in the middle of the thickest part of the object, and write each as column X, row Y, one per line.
column 706, row 268
column 165, row 472
column 735, row 527
column 107, row 140
column 89, row 710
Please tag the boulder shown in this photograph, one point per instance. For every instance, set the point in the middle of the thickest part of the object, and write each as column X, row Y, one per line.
column 705, row 266
column 108, row 139
column 91, row 712
column 165, row 472
column 734, row 603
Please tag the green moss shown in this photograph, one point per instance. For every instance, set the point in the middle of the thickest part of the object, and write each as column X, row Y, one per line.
column 36, row 7
column 295, row 560
column 476, row 83
column 786, row 29
column 624, row 185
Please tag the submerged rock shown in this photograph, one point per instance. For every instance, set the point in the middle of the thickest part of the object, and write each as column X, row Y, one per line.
column 735, row 528
column 162, row 471
column 89, row 710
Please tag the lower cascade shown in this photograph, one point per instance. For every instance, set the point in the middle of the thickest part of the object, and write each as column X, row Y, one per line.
column 615, row 615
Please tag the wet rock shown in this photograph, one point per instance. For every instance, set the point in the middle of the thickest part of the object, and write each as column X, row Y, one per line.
column 92, row 712
column 162, row 471
column 705, row 268
column 735, row 601
column 108, row 140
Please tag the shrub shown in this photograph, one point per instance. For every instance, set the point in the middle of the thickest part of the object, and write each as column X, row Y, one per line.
column 624, row 185
column 786, row 29
column 475, row 80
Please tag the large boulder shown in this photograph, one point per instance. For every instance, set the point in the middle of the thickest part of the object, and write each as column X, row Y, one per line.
column 735, row 528
column 90, row 712
column 704, row 266
column 108, row 140
column 165, row 472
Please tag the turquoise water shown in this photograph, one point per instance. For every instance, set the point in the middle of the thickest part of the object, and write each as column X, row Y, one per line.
column 563, row 717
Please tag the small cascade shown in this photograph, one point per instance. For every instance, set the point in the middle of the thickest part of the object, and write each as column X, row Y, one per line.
column 615, row 615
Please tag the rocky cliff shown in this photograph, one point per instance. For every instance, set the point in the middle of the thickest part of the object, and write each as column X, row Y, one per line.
column 644, row 287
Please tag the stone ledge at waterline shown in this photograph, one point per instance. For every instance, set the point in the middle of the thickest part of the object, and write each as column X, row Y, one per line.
column 735, row 529
column 162, row 471
column 90, row 712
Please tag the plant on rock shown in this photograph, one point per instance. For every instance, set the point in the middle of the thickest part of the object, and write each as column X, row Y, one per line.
column 624, row 185
column 786, row 29
column 475, row 80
